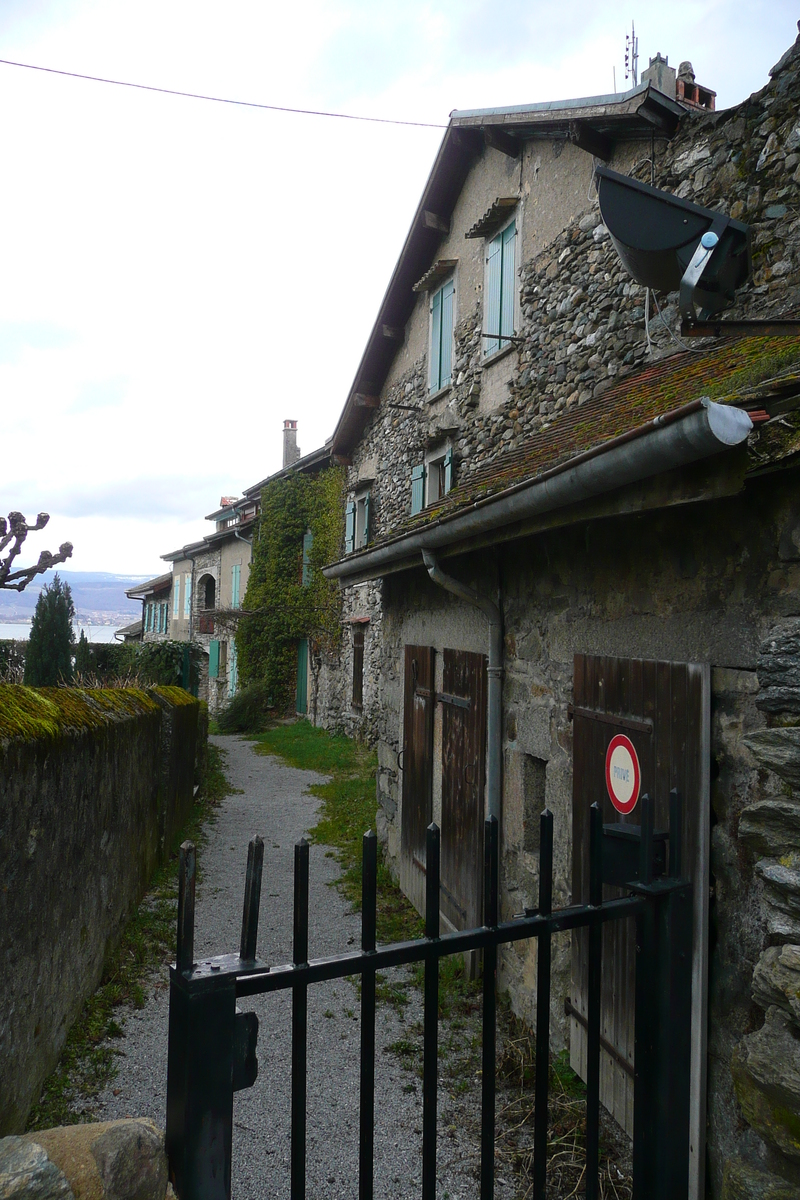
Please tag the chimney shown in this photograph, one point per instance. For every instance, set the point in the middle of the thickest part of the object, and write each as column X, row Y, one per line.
column 691, row 94
column 661, row 75
column 290, row 450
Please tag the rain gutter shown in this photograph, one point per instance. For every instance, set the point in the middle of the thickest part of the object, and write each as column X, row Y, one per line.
column 690, row 433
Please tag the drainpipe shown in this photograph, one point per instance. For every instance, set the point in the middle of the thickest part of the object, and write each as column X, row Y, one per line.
column 495, row 672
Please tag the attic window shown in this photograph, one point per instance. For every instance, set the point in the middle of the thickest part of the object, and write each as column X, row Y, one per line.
column 494, row 217
column 434, row 276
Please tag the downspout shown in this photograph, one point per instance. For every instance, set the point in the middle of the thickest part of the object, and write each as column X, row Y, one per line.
column 494, row 715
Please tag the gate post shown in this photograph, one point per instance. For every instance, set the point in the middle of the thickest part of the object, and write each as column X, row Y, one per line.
column 662, row 1042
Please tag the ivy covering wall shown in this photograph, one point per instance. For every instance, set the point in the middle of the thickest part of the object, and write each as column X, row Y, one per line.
column 281, row 608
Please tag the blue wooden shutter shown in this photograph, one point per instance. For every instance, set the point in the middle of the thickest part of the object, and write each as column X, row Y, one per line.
column 509, row 279
column 417, row 489
column 308, row 541
column 213, row 660
column 448, row 471
column 350, row 528
column 365, row 539
column 436, row 341
column 176, row 595
column 494, row 267
column 446, row 337
column 187, row 595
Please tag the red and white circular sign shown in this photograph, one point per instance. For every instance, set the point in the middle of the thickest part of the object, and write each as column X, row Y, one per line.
column 623, row 776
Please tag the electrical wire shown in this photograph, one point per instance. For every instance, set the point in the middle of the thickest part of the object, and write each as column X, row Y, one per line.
column 676, row 340
column 147, row 87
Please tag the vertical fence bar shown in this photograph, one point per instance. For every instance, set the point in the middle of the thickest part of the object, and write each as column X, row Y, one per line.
column 593, row 1008
column 186, row 886
column 675, row 834
column 431, row 1018
column 252, row 899
column 646, row 842
column 369, row 887
column 299, row 1023
column 490, row 918
column 543, row 948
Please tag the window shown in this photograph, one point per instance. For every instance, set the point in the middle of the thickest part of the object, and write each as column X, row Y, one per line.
column 236, row 573
column 442, row 303
column 148, row 616
column 187, row 596
column 358, row 667
column 308, row 542
column 431, row 480
column 500, row 290
column 176, row 596
column 357, row 523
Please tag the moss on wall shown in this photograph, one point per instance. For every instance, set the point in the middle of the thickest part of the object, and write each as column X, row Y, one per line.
column 30, row 713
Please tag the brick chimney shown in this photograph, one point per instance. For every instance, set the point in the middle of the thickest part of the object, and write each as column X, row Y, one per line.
column 691, row 94
column 290, row 450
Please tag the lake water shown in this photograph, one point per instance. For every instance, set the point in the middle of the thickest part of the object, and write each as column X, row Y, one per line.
column 21, row 631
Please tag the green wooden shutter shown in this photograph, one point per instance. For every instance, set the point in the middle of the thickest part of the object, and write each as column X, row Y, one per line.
column 494, row 267
column 236, row 572
column 448, row 471
column 350, row 528
column 233, row 670
column 365, row 539
column 308, row 541
column 509, row 279
column 417, row 489
column 187, row 595
column 213, row 660
column 436, row 341
column 446, row 340
column 176, row 595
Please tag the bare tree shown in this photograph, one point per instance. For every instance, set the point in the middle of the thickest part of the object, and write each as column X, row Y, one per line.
column 12, row 534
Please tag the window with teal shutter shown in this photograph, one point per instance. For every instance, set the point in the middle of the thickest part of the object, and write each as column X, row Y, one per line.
column 308, row 541
column 448, row 471
column 364, row 541
column 350, row 528
column 500, row 290
column 236, row 572
column 176, row 596
column 187, row 595
column 233, row 671
column 417, row 489
column 442, row 336
column 213, row 660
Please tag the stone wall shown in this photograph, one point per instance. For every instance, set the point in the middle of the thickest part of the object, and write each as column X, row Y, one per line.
column 94, row 786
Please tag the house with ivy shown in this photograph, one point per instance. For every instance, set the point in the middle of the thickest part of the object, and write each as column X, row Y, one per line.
column 569, row 519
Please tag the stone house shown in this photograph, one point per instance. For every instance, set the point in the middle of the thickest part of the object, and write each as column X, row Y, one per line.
column 552, row 500
column 155, row 597
column 209, row 580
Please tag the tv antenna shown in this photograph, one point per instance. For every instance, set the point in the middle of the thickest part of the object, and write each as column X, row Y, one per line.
column 632, row 56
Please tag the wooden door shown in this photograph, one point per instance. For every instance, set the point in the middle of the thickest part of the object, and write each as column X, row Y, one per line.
column 463, row 699
column 418, row 707
column 664, row 708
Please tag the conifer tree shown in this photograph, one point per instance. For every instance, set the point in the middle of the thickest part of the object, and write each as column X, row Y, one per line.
column 48, row 659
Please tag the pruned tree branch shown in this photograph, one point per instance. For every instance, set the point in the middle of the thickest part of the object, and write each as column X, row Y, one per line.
column 12, row 534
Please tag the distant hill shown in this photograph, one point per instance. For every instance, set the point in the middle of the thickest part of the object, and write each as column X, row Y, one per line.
column 98, row 596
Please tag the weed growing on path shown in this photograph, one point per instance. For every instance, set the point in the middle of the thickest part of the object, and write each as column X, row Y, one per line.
column 148, row 941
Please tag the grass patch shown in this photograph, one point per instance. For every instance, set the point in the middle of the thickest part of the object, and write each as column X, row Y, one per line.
column 87, row 1061
column 349, row 809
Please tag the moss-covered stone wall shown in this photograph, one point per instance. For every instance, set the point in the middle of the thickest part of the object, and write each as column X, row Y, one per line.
column 94, row 785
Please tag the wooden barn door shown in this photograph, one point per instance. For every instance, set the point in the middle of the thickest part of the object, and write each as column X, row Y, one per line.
column 418, row 706
column 463, row 699
column 664, row 708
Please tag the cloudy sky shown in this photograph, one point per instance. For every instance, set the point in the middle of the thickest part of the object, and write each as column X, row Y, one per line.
column 178, row 276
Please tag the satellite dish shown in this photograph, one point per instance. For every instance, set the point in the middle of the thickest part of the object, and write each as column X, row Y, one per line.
column 667, row 243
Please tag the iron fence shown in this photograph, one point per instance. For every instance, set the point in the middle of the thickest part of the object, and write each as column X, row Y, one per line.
column 212, row 1047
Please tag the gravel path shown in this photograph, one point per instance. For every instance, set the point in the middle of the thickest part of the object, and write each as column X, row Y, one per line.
column 274, row 802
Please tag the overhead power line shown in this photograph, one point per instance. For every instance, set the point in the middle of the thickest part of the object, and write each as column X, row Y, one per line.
column 147, row 87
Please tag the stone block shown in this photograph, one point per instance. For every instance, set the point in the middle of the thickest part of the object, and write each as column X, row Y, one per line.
column 114, row 1160
column 778, row 750
column 776, row 980
column 779, row 668
column 766, row 1075
column 771, row 827
column 743, row 1181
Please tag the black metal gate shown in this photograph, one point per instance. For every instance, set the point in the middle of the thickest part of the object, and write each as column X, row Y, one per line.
column 212, row 1047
